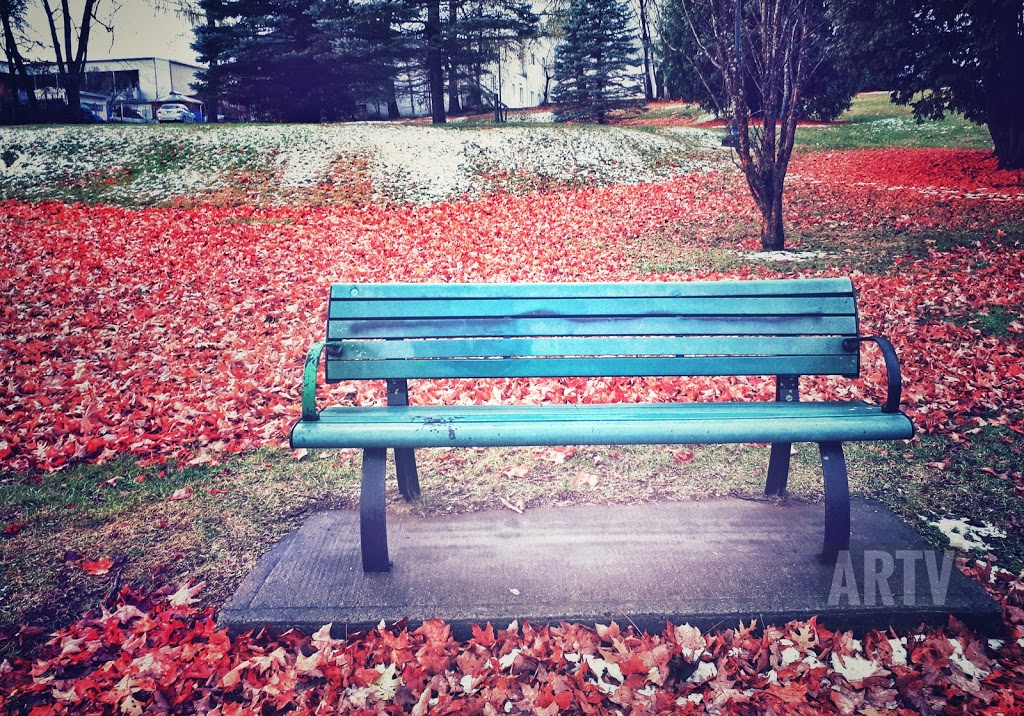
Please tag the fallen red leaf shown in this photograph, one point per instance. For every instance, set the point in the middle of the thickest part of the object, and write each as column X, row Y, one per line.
column 14, row 528
column 98, row 568
column 683, row 456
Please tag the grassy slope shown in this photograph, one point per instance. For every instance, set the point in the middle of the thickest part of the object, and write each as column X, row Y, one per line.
column 873, row 121
column 239, row 508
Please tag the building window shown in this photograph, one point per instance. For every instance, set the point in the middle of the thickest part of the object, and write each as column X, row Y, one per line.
column 520, row 94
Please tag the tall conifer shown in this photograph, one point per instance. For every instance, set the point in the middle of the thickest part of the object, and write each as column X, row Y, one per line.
column 596, row 63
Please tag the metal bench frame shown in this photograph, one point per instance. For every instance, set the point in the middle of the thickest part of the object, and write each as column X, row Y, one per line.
column 785, row 328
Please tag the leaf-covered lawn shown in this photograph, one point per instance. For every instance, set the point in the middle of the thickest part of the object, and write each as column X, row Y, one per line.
column 162, row 654
column 181, row 332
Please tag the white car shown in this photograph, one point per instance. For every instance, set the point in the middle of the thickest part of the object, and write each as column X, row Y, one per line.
column 174, row 113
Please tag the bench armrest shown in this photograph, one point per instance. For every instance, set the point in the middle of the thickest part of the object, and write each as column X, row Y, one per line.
column 894, row 380
column 309, row 412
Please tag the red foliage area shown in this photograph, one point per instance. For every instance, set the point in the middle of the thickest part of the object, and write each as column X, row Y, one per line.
column 904, row 189
column 182, row 332
column 162, row 655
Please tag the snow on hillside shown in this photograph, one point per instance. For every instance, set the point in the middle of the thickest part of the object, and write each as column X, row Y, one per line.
column 144, row 164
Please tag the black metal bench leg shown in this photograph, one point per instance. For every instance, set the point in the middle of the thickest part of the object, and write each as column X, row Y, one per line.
column 405, row 458
column 405, row 466
column 778, row 469
column 837, row 500
column 373, row 529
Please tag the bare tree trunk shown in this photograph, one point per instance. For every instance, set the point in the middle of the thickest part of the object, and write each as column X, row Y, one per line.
column 776, row 31
column 645, row 37
column 1004, row 99
column 393, row 111
column 212, row 107
column 19, row 70
column 71, row 62
column 435, row 61
column 454, row 101
column 768, row 199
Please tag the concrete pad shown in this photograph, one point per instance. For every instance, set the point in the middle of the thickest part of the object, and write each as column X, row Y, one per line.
column 710, row 563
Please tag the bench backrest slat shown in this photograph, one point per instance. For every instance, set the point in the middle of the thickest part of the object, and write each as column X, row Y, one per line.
column 401, row 328
column 623, row 329
column 416, row 291
column 590, row 307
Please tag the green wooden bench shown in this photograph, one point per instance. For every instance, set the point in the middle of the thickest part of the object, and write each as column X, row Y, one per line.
column 781, row 328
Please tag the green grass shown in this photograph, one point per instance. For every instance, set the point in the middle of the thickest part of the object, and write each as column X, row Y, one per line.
column 872, row 121
column 660, row 111
column 977, row 479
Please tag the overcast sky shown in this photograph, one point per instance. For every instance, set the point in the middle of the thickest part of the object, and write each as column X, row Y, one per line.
column 139, row 31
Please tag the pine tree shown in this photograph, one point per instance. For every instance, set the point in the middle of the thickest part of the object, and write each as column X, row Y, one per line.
column 262, row 55
column 596, row 64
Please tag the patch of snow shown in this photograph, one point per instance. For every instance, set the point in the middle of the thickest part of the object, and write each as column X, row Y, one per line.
column 783, row 255
column 965, row 536
column 543, row 116
column 854, row 668
column 789, row 655
column 420, row 164
column 705, row 671
column 599, row 667
column 994, row 573
column 812, row 661
column 996, row 644
column 506, row 661
column 899, row 651
column 965, row 664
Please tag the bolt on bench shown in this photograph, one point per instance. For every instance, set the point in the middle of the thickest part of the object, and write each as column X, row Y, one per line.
column 781, row 328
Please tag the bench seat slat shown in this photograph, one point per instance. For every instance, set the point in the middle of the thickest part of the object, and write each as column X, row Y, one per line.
column 588, row 367
column 575, row 347
column 642, row 308
column 618, row 424
column 776, row 287
column 338, row 330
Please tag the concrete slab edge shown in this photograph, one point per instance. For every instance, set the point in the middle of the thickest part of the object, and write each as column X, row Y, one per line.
column 988, row 622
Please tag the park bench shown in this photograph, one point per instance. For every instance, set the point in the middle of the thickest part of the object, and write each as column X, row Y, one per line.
column 781, row 328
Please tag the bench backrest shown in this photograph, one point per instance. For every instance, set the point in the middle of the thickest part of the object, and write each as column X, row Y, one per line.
column 790, row 327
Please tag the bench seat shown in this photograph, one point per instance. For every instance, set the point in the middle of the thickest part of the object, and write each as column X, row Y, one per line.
column 618, row 424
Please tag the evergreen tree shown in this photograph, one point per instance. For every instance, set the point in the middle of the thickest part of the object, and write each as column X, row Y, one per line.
column 310, row 60
column 262, row 55
column 962, row 56
column 372, row 39
column 596, row 63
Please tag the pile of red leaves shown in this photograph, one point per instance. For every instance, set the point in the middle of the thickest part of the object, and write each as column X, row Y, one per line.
column 162, row 655
column 182, row 332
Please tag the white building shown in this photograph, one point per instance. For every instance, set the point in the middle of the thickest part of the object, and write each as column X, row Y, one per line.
column 132, row 87
column 524, row 74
